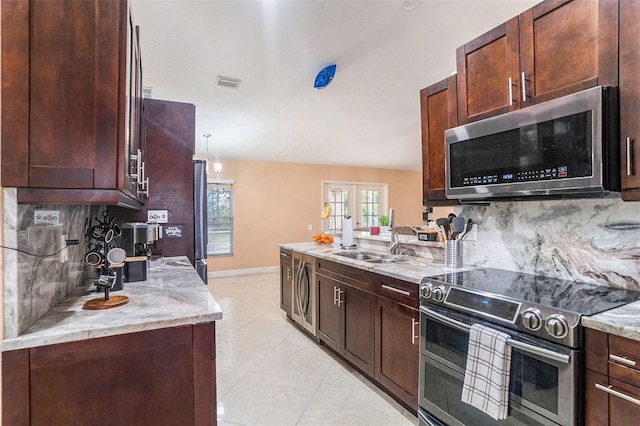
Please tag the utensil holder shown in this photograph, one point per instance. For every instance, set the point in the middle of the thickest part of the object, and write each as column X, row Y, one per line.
column 453, row 253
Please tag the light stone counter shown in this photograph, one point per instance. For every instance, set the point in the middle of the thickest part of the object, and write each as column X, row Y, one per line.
column 413, row 269
column 623, row 321
column 173, row 295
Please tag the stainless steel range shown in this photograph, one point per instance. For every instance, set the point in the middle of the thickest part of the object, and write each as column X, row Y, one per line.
column 542, row 317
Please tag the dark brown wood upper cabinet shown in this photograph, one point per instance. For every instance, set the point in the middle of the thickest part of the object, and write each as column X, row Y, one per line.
column 556, row 48
column 438, row 109
column 567, row 46
column 630, row 99
column 66, row 73
column 488, row 67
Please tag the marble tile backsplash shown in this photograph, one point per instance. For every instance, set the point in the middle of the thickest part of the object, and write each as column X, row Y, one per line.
column 595, row 241
column 32, row 285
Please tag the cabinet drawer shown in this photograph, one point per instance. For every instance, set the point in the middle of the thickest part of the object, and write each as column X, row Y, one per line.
column 624, row 359
column 399, row 291
column 346, row 274
column 624, row 403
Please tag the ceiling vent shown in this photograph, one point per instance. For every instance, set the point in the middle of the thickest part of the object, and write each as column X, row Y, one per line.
column 228, row 82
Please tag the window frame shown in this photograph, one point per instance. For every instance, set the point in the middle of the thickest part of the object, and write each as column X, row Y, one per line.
column 226, row 185
column 354, row 198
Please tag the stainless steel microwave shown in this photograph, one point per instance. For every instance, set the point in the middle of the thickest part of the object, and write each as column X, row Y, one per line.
column 566, row 147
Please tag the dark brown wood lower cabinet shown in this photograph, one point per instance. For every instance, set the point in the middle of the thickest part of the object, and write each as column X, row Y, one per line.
column 596, row 401
column 345, row 322
column 159, row 377
column 397, row 349
column 358, row 332
column 286, row 281
column 328, row 312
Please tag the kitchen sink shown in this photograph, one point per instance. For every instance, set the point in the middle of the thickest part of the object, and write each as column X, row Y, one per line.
column 369, row 256
column 358, row 255
column 385, row 260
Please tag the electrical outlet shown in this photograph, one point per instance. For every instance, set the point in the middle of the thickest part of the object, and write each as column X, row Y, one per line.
column 473, row 233
column 310, row 227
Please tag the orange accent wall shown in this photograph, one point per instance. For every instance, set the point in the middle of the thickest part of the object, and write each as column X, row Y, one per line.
column 275, row 202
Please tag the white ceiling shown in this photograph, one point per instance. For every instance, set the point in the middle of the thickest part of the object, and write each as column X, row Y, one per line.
column 368, row 116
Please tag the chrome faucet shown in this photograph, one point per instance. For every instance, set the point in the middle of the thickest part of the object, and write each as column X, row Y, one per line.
column 395, row 243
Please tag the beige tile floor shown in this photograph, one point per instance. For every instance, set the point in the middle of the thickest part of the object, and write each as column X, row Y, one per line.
column 270, row 373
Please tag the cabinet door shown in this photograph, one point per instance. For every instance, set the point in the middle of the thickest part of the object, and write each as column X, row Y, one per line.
column 109, row 380
column 329, row 321
column 567, row 46
column 73, row 102
column 439, row 112
column 488, row 68
column 286, row 282
column 596, row 402
column 630, row 99
column 358, row 311
column 397, row 349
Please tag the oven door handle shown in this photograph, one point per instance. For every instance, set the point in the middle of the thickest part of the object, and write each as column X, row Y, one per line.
column 525, row 347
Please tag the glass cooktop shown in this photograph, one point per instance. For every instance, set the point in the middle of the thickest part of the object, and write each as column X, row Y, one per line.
column 580, row 298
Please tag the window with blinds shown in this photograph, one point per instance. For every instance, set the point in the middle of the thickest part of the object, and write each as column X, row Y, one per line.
column 219, row 219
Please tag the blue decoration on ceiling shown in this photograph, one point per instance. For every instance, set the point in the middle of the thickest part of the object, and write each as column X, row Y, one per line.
column 324, row 77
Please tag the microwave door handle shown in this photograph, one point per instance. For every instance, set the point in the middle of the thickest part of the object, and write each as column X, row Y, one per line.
column 525, row 347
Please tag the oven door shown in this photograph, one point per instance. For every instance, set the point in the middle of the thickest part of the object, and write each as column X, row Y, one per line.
column 544, row 385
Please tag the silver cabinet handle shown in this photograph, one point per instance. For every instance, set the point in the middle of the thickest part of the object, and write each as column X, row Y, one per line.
column 629, row 159
column 510, row 91
column 396, row 290
column 335, row 295
column 609, row 389
column 288, row 273
column 414, row 336
column 621, row 360
column 340, row 299
column 139, row 165
column 523, row 78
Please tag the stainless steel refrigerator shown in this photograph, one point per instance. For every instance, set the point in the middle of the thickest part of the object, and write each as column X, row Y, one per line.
column 200, row 217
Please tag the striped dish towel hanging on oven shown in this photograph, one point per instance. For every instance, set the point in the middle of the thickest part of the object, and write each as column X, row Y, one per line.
column 486, row 377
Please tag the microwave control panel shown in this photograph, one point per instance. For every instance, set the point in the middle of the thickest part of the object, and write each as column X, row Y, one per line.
column 522, row 176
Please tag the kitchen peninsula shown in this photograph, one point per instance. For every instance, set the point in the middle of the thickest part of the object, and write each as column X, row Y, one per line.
column 151, row 361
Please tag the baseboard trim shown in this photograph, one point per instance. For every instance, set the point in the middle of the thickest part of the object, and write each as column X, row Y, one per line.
column 238, row 272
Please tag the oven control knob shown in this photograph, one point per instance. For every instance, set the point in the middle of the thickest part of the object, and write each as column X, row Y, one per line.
column 438, row 293
column 532, row 319
column 556, row 326
column 426, row 290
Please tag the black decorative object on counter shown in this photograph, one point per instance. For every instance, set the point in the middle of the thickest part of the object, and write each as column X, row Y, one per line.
column 105, row 253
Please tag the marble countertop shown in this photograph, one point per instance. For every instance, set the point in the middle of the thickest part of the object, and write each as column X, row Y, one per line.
column 173, row 295
column 623, row 321
column 413, row 269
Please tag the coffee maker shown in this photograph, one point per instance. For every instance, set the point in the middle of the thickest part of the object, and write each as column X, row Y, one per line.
column 134, row 241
